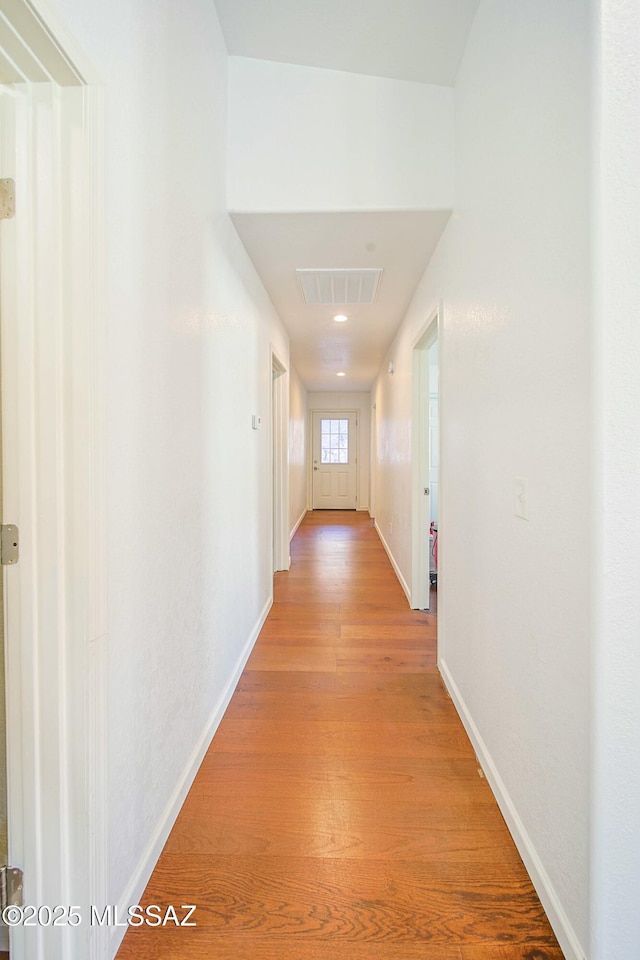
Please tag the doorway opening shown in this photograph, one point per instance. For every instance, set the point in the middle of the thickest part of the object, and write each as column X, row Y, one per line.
column 426, row 466
column 280, row 463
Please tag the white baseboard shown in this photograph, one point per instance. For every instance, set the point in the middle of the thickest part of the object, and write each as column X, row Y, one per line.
column 297, row 524
column 403, row 582
column 558, row 919
column 143, row 871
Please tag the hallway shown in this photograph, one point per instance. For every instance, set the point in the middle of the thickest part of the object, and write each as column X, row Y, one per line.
column 339, row 812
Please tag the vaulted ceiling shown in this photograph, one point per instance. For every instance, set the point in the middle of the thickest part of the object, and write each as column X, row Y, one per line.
column 416, row 40
column 419, row 40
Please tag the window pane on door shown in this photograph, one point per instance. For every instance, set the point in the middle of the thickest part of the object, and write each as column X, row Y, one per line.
column 334, row 441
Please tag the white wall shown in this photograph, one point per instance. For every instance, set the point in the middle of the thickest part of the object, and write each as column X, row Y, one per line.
column 393, row 397
column 188, row 361
column 349, row 400
column 615, row 877
column 352, row 142
column 297, row 450
column 512, row 270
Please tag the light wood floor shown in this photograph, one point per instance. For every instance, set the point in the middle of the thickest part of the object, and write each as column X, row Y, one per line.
column 339, row 813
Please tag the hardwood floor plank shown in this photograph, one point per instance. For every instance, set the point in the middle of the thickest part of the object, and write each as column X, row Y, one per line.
column 330, row 778
column 409, row 878
column 312, row 639
column 302, row 591
column 292, row 657
column 345, row 571
column 339, row 813
column 423, row 644
column 372, row 613
column 344, row 739
column 377, row 661
column 338, row 590
column 426, row 687
column 288, row 610
column 300, row 630
column 498, row 951
column 352, row 901
column 336, row 828
column 365, row 703
column 395, row 633
column 206, row 943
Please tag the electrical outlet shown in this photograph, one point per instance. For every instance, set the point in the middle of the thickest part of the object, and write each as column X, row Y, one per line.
column 521, row 498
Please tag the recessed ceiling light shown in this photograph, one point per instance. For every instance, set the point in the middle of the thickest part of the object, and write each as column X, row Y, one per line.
column 341, row 374
column 340, row 318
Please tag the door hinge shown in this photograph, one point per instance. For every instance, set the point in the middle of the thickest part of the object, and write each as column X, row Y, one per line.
column 7, row 199
column 11, row 887
column 9, row 544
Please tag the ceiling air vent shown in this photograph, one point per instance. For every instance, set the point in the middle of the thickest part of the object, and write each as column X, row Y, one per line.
column 339, row 286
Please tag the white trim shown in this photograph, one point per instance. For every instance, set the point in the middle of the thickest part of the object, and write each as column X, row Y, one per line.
column 403, row 582
column 95, row 761
column 53, row 386
column 551, row 903
column 149, row 858
column 373, row 456
column 297, row 524
column 42, row 29
column 96, row 765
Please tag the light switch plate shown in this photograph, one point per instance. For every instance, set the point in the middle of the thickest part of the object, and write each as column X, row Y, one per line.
column 521, row 498
column 256, row 421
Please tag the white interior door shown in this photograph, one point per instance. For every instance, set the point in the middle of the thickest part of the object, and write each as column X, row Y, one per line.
column 335, row 466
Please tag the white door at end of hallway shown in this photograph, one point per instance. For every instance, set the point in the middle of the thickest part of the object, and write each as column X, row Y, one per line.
column 335, row 469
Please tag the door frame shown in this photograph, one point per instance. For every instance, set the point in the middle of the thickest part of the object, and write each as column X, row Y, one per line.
column 53, row 440
column 281, row 559
column 420, row 585
column 373, row 466
column 334, row 414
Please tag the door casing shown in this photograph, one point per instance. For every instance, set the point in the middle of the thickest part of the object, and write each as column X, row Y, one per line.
column 53, row 450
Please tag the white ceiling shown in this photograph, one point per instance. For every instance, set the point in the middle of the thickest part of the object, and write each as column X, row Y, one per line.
column 418, row 40
column 400, row 242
